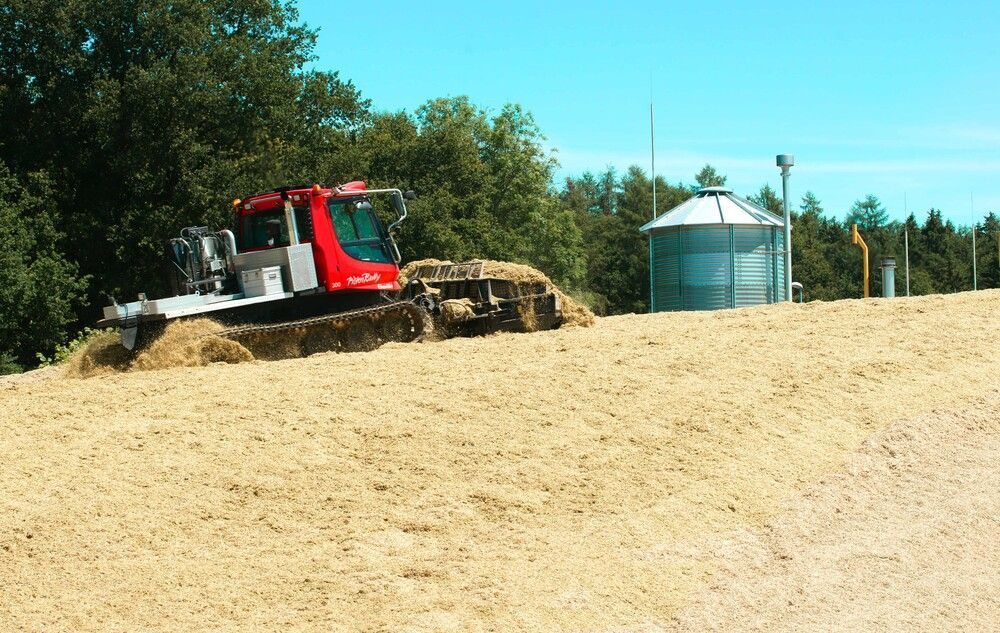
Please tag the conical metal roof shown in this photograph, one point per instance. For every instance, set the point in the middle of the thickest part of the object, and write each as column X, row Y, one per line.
column 714, row 205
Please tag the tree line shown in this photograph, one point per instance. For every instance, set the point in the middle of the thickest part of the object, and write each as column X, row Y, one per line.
column 126, row 120
column 609, row 207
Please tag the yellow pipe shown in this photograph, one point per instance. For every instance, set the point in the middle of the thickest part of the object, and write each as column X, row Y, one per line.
column 856, row 239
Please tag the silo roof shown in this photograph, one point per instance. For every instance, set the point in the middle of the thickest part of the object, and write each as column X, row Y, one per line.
column 715, row 205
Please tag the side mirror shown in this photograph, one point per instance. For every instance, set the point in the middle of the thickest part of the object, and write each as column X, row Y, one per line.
column 410, row 195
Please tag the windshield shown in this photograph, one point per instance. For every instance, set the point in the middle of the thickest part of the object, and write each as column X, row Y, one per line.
column 268, row 228
column 358, row 230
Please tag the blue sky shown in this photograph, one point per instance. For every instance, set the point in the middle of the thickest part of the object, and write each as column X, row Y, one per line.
column 872, row 97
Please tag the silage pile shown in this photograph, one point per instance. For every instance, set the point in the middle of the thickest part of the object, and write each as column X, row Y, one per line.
column 188, row 343
column 902, row 537
column 581, row 479
column 574, row 312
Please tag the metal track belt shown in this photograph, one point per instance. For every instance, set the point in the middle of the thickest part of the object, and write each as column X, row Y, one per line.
column 418, row 319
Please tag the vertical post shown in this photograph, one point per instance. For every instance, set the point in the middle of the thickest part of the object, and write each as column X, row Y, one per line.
column 788, row 237
column 293, row 227
column 652, row 169
column 973, row 213
column 857, row 240
column 652, row 155
column 906, row 248
column 906, row 243
column 785, row 161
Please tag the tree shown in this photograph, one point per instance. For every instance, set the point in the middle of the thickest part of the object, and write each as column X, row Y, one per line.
column 920, row 281
column 609, row 210
column 868, row 214
column 988, row 251
column 944, row 254
column 39, row 288
column 152, row 116
column 708, row 177
column 768, row 199
column 809, row 264
column 811, row 205
column 483, row 183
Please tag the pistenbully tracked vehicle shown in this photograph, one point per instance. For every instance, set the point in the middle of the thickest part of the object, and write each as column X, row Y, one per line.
column 318, row 263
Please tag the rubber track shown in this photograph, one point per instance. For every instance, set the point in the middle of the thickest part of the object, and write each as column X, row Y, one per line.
column 419, row 319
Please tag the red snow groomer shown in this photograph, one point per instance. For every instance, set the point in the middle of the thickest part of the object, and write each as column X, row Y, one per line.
column 318, row 262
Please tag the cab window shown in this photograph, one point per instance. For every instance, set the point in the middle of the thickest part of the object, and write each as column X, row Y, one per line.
column 265, row 229
column 358, row 230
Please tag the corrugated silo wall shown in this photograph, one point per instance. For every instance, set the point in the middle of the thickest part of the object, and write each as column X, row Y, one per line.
column 718, row 266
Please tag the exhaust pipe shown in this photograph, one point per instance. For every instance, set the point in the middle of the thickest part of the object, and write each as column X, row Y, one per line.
column 293, row 228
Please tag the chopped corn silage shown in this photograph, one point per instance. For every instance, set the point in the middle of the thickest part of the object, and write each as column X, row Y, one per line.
column 574, row 479
column 573, row 312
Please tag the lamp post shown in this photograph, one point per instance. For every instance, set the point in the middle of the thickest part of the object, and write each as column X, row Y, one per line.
column 785, row 161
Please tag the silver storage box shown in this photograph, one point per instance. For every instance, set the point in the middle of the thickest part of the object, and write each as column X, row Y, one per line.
column 297, row 267
column 259, row 282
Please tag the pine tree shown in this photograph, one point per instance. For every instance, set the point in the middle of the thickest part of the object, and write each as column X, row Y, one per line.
column 988, row 252
column 768, row 199
column 868, row 214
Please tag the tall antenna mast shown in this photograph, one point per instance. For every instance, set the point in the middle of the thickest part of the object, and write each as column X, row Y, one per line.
column 652, row 150
column 652, row 168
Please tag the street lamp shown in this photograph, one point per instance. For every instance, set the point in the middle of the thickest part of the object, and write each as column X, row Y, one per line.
column 785, row 161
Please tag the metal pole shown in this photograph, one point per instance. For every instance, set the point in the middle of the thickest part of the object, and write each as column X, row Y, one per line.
column 906, row 247
column 652, row 155
column 906, row 243
column 788, row 237
column 652, row 169
column 973, row 213
column 785, row 161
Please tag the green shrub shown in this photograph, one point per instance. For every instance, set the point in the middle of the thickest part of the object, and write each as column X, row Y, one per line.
column 64, row 352
column 8, row 364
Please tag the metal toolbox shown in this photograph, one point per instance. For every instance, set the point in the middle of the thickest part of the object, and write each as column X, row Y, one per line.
column 259, row 282
column 296, row 262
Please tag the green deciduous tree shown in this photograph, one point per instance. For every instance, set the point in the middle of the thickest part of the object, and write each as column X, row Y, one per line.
column 708, row 177
column 127, row 120
column 483, row 182
column 39, row 288
column 151, row 116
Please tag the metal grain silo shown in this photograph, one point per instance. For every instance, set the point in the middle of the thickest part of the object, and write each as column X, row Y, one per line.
column 714, row 251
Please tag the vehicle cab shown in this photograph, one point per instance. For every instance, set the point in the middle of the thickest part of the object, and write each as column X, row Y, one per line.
column 352, row 248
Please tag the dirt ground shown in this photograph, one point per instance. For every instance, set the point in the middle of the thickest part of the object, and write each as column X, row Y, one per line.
column 831, row 465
